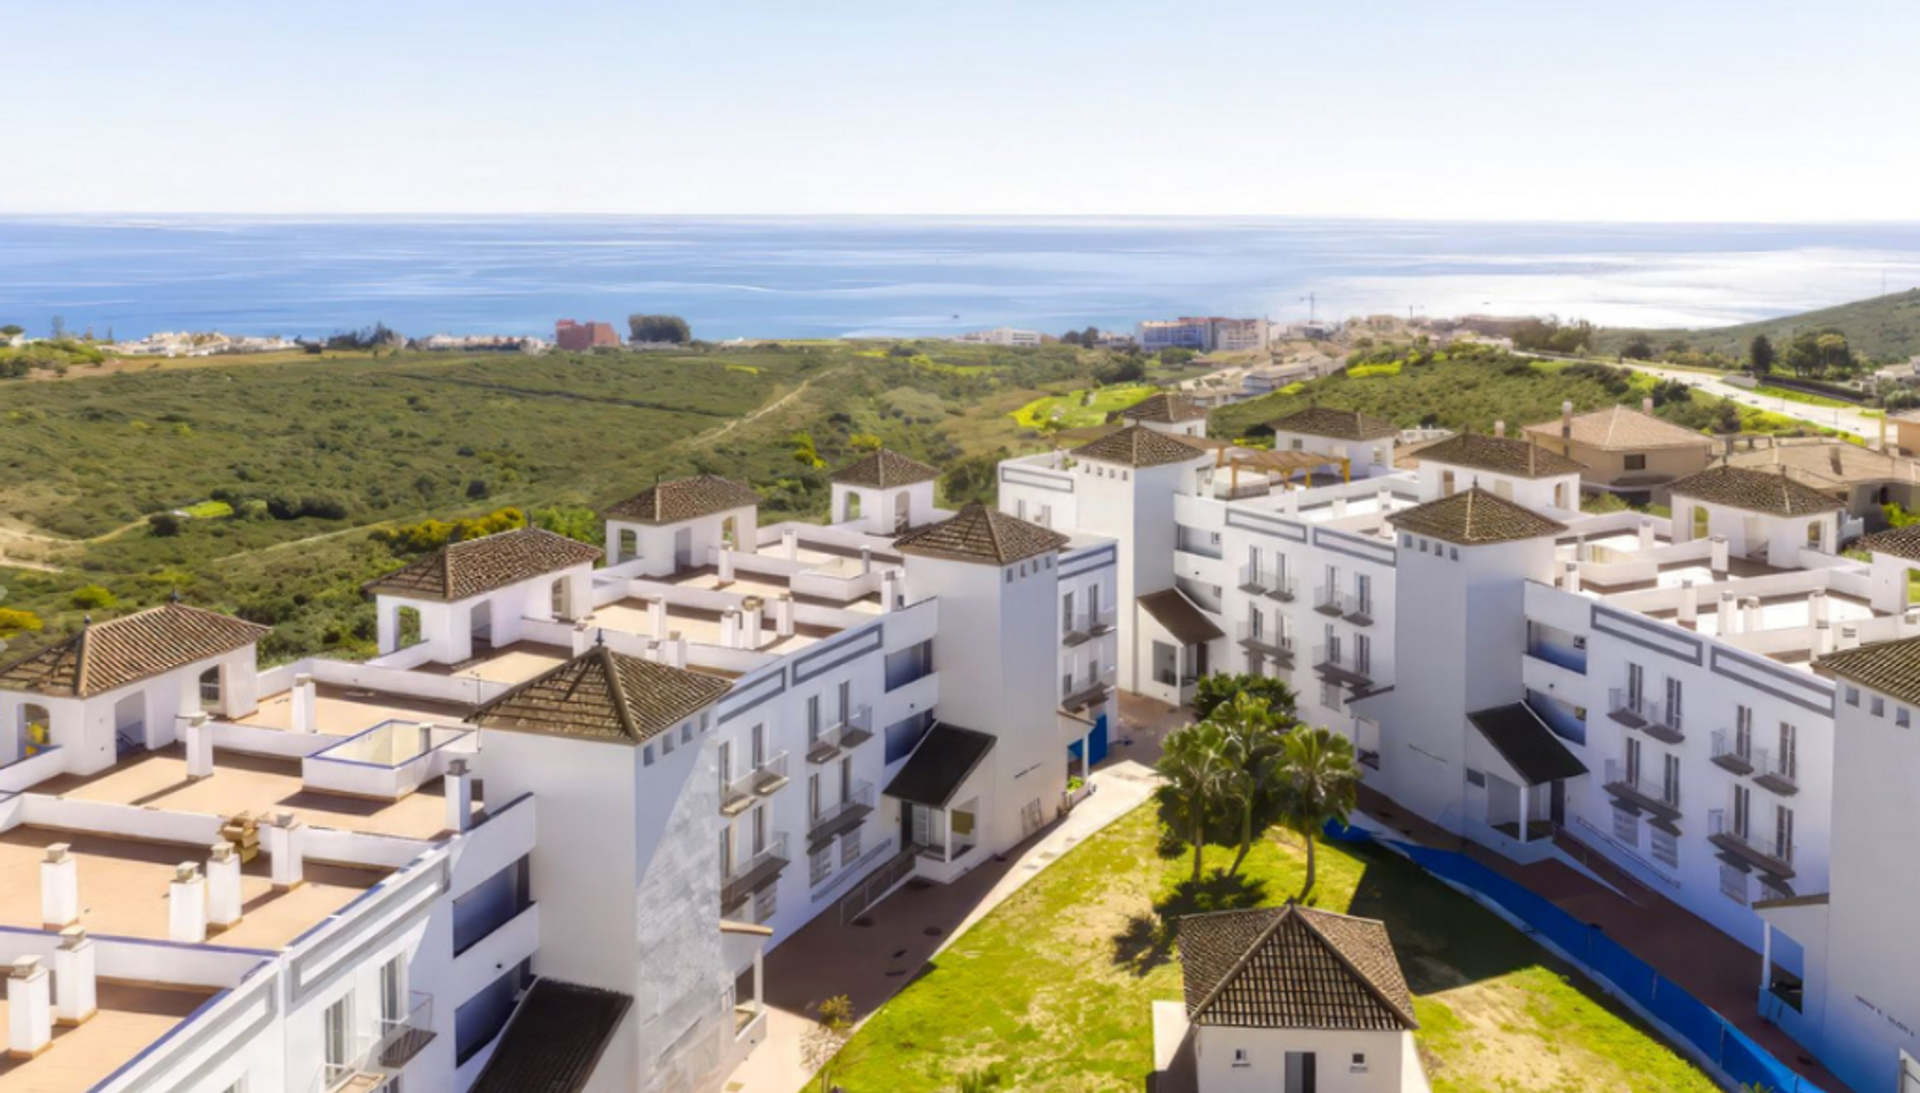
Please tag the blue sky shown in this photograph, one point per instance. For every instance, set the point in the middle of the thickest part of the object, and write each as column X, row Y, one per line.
column 1694, row 110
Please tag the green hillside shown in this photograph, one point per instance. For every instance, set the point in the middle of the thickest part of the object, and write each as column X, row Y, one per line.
column 1885, row 328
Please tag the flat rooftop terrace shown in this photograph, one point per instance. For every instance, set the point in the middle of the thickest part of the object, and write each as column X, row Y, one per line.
column 509, row 664
column 258, row 784
column 123, row 888
column 703, row 627
column 345, row 711
column 131, row 1017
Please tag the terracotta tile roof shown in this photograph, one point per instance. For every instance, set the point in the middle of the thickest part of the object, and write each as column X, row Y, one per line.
column 1475, row 517
column 1827, row 464
column 684, row 499
column 1501, row 455
column 554, row 1040
column 602, row 695
column 1335, row 424
column 1138, row 446
column 1890, row 667
column 1899, row 542
column 1165, row 407
column 885, row 470
column 1292, row 967
column 980, row 534
column 1622, row 428
column 114, row 653
column 1771, row 492
column 459, row 570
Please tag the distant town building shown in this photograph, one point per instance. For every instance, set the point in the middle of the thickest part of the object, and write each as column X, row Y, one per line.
column 1204, row 334
column 576, row 337
column 205, row 343
column 495, row 343
column 1001, row 335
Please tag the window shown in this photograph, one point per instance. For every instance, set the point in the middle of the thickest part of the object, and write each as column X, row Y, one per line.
column 908, row 665
column 1362, row 654
column 1240, row 1057
column 1330, row 695
column 904, row 735
column 337, row 1032
column 1476, row 778
column 1670, row 784
column 1673, row 702
column 1634, row 462
column 1789, row 758
column 820, row 864
column 1902, row 717
column 1359, row 1064
column 1877, row 706
column 1066, row 611
column 1453, row 554
column 1733, row 883
column 1743, row 731
column 1742, row 809
column 481, row 1017
column 1783, row 833
column 1626, row 827
column 1636, row 686
column 1666, row 848
column 849, row 848
column 813, row 718
column 393, row 993
column 765, row 903
column 813, row 796
column 210, row 689
column 1853, row 696
column 1446, row 483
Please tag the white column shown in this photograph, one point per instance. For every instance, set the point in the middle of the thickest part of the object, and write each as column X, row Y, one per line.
column 657, row 617
column 59, row 888
column 890, row 590
column 726, row 566
column 29, row 1009
column 306, row 704
column 750, row 623
column 730, row 628
column 1750, row 615
column 199, row 747
column 458, row 786
column 783, row 615
column 1646, row 534
column 187, row 905
column 1339, row 507
column 75, row 990
column 1572, row 583
column 1725, row 618
column 1717, row 556
column 1689, row 602
column 285, row 838
column 790, row 544
column 759, row 983
column 224, row 905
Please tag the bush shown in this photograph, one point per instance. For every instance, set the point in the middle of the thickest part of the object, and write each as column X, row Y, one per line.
column 13, row 620
column 165, row 525
column 659, row 328
column 92, row 597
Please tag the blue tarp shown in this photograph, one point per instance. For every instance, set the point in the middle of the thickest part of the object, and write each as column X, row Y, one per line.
column 1601, row 957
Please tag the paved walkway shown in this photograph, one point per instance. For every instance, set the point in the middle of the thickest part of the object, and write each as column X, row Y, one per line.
column 1685, row 948
column 871, row 963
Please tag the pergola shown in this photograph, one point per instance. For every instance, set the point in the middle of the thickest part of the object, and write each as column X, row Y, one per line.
column 1285, row 463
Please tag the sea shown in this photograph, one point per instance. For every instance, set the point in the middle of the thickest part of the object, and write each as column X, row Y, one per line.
column 768, row 277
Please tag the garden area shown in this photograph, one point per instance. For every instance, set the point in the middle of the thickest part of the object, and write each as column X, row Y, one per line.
column 1053, row 990
column 1080, row 409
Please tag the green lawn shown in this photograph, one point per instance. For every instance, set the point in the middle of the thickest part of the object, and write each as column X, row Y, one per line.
column 1054, row 988
column 1075, row 411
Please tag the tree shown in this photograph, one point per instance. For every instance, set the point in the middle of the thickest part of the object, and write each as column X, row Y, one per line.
column 1760, row 355
column 1194, row 764
column 59, row 328
column 1255, row 742
column 671, row 329
column 820, row 1045
column 1638, row 348
column 1834, row 353
column 1322, row 783
column 12, row 330
column 806, row 453
column 1218, row 688
column 92, row 597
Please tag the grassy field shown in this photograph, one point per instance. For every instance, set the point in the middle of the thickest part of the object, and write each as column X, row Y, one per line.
column 1054, row 989
column 1080, row 409
column 1801, row 396
column 1883, row 328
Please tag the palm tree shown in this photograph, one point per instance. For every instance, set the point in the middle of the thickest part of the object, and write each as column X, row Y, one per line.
column 1194, row 763
column 1255, row 737
column 1322, row 783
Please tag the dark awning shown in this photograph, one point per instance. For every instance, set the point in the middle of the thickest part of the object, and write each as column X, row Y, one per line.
column 1525, row 742
column 1174, row 611
column 938, row 767
column 554, row 1039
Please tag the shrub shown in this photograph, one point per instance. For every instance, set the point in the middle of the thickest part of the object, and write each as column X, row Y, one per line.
column 92, row 597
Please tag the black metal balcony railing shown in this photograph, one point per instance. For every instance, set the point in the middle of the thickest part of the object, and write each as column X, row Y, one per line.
column 1330, row 601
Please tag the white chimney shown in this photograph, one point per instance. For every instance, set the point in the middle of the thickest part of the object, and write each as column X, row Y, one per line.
column 187, row 905
column 750, row 624
column 1750, row 615
column 1290, row 501
column 59, row 888
column 657, row 618
column 783, row 615
column 306, row 704
column 790, row 544
column 1646, row 533
column 1717, row 554
column 29, row 1009
column 673, row 651
column 1822, row 638
column 866, row 560
column 1500, row 428
column 75, row 994
column 1725, row 618
column 1566, row 420
column 1849, row 636
column 730, row 628
column 286, row 838
column 726, row 565
column 224, row 906
column 1646, row 405
column 1572, row 582
column 890, row 590
column 1817, row 606
column 1689, row 602
column 1339, row 507
column 458, row 786
column 199, row 747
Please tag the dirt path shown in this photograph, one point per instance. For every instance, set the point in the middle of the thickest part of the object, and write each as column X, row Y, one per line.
column 715, row 434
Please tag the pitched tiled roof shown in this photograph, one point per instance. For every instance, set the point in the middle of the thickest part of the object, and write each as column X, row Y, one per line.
column 885, row 470
column 1499, row 454
column 684, row 499
column 1165, row 407
column 1292, row 967
column 1525, row 742
column 114, row 653
column 1474, row 517
column 1622, row 428
column 1899, row 542
column 1890, row 667
column 939, row 766
column 459, row 570
column 554, row 1040
column 1335, row 424
column 1771, row 492
column 1827, row 464
column 980, row 534
column 602, row 695
column 1138, row 446
column 1172, row 609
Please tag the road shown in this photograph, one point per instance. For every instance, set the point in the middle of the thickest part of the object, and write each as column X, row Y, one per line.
column 1846, row 420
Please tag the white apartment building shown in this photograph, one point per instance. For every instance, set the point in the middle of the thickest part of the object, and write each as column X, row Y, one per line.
column 1203, row 334
column 1620, row 690
column 1002, row 335
column 553, row 827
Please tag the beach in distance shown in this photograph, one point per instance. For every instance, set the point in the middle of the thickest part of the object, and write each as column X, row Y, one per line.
column 791, row 277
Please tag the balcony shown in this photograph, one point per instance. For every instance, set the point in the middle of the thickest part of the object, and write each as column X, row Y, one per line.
column 1339, row 665
column 1729, row 753
column 841, row 817
column 1084, row 627
column 855, row 730
column 1635, row 712
column 1090, row 693
column 1330, row 601
column 1634, row 788
column 1778, row 773
column 756, row 783
column 1265, row 642
column 1254, row 580
column 403, row 1037
column 1772, row 855
column 754, row 873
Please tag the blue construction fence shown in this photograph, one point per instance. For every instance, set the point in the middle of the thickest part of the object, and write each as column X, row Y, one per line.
column 1715, row 1038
